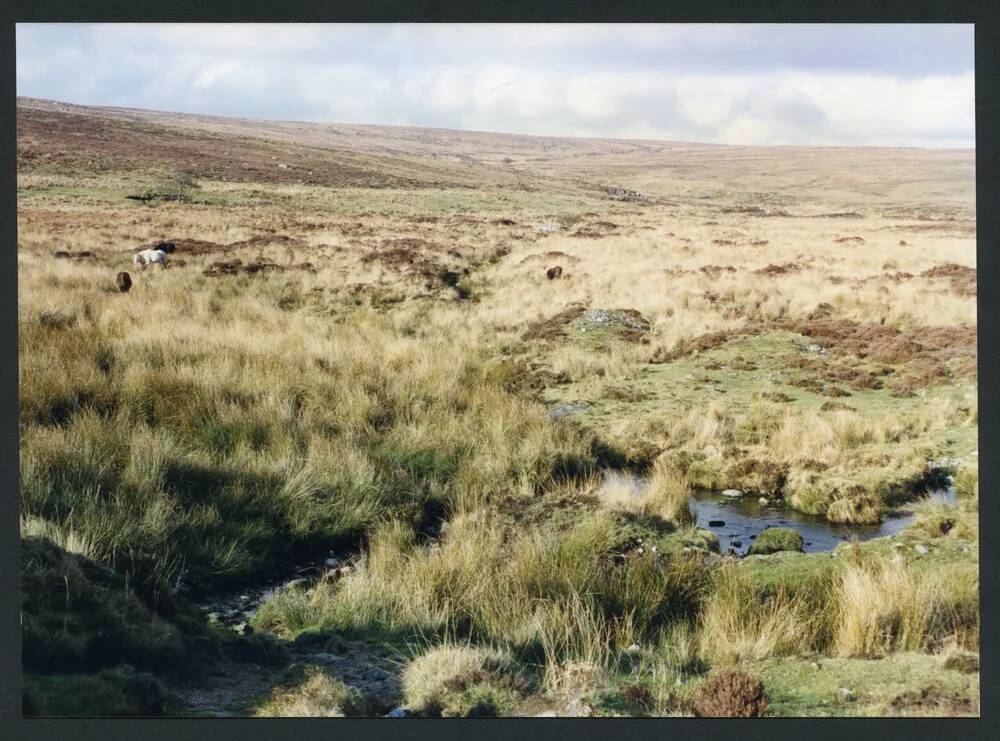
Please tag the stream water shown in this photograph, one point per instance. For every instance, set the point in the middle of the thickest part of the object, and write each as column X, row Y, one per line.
column 738, row 520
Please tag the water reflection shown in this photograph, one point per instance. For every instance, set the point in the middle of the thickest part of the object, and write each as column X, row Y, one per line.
column 738, row 521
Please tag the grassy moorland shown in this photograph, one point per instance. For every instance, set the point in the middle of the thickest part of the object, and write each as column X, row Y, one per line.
column 355, row 353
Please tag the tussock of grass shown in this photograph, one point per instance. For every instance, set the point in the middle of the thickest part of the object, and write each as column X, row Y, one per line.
column 884, row 607
column 562, row 595
column 317, row 696
column 456, row 680
column 740, row 623
column 232, row 457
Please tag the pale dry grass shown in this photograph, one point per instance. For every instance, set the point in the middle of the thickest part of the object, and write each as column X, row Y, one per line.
column 739, row 624
column 318, row 696
column 885, row 606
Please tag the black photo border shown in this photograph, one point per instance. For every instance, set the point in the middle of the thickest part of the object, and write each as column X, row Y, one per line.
column 985, row 14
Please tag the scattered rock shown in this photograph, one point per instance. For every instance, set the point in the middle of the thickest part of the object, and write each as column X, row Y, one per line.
column 547, row 228
column 564, row 410
column 243, row 629
column 124, row 282
column 732, row 493
column 332, row 563
column 921, row 549
column 763, row 501
column 716, row 523
column 554, row 272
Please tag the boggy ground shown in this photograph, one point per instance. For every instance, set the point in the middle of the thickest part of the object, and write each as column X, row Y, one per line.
column 355, row 348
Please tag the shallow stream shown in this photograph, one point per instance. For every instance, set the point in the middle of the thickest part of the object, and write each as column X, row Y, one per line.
column 738, row 520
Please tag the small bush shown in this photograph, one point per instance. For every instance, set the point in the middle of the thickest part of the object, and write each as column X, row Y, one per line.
column 775, row 539
column 731, row 693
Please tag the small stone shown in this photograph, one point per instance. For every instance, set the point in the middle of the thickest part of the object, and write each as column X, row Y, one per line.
column 214, row 617
column 846, row 694
column 398, row 713
column 716, row 523
column 346, row 571
column 633, row 649
column 763, row 501
column 921, row 549
column 547, row 714
column 737, row 544
column 732, row 493
column 814, row 665
column 332, row 563
column 243, row 629
column 640, row 550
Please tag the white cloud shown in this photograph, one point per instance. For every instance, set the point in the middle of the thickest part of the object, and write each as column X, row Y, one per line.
column 715, row 83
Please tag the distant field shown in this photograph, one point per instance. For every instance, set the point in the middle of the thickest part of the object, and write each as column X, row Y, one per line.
column 356, row 353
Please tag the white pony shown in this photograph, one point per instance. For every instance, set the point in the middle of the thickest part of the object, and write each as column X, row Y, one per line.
column 152, row 257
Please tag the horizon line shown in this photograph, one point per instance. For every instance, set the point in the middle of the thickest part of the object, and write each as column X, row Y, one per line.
column 20, row 98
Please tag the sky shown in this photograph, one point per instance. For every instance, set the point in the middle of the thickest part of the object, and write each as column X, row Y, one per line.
column 823, row 84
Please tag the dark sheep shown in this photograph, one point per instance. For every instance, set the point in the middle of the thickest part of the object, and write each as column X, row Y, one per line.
column 554, row 272
column 168, row 247
column 124, row 282
column 60, row 254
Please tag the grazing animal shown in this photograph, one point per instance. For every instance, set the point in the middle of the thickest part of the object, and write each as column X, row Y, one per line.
column 155, row 257
column 85, row 253
column 124, row 282
column 60, row 254
column 167, row 247
column 554, row 272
